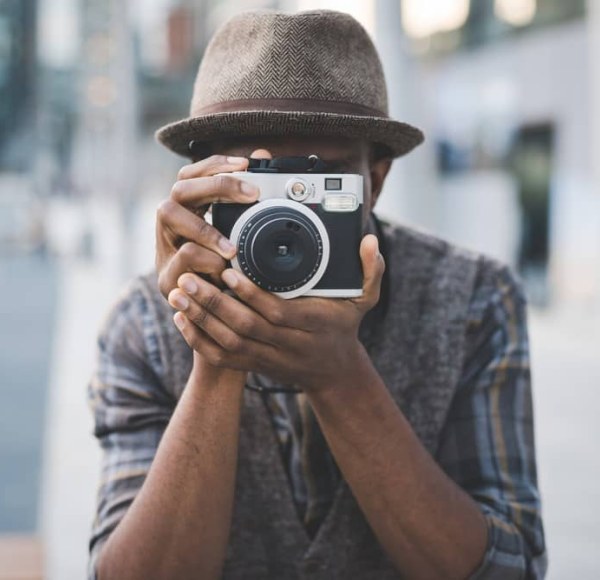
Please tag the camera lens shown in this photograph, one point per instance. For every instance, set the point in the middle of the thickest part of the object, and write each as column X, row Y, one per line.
column 281, row 248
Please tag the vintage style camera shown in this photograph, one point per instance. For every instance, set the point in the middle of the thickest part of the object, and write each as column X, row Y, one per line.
column 302, row 237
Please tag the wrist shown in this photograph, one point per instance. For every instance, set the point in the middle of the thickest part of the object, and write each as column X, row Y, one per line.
column 355, row 371
column 361, row 392
column 205, row 376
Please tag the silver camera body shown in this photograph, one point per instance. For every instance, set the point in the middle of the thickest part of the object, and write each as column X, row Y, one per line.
column 302, row 236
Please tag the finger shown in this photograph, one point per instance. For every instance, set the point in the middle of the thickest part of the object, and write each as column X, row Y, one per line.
column 190, row 258
column 279, row 312
column 261, row 154
column 245, row 322
column 198, row 191
column 373, row 267
column 213, row 352
column 200, row 342
column 213, row 165
column 177, row 222
column 206, row 321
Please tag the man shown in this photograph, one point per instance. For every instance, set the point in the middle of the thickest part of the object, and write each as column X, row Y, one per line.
column 408, row 451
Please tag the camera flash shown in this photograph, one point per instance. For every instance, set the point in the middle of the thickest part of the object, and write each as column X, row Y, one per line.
column 340, row 202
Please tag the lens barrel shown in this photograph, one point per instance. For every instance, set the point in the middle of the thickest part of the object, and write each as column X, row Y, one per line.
column 282, row 246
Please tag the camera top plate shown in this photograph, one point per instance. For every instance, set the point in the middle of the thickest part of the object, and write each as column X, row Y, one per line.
column 291, row 164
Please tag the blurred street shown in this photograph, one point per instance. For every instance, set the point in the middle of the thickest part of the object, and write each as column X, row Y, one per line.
column 27, row 309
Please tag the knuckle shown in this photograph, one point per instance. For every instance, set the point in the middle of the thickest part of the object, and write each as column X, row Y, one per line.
column 217, row 160
column 187, row 250
column 184, row 172
column 163, row 284
column 247, row 326
column 313, row 320
column 233, row 343
column 205, row 230
column 165, row 209
column 211, row 300
column 220, row 182
column 277, row 315
column 225, row 183
column 178, row 189
column 217, row 357
column 200, row 318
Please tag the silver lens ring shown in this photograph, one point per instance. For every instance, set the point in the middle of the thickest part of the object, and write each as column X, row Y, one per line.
column 256, row 209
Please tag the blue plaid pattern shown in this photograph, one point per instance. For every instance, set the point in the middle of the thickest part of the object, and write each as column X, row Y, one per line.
column 487, row 445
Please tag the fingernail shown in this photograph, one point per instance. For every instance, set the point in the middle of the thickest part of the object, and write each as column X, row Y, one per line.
column 226, row 246
column 189, row 286
column 249, row 189
column 180, row 302
column 179, row 320
column 230, row 278
column 235, row 160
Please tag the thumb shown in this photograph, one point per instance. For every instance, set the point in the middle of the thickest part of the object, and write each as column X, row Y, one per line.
column 373, row 267
column 261, row 154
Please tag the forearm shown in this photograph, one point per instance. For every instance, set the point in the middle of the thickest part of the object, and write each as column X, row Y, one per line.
column 429, row 527
column 178, row 525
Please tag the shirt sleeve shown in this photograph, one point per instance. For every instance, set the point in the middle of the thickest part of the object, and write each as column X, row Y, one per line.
column 130, row 410
column 487, row 445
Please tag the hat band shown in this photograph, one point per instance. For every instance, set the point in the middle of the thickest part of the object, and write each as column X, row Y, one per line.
column 291, row 105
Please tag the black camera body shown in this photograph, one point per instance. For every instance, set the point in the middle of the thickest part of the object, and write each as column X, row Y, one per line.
column 302, row 236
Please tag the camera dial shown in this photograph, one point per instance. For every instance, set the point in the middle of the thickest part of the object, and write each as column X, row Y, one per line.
column 298, row 189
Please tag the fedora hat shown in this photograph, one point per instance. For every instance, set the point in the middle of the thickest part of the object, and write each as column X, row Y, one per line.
column 272, row 73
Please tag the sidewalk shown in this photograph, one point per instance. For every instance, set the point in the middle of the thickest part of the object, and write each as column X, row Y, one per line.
column 566, row 378
column 22, row 557
column 72, row 456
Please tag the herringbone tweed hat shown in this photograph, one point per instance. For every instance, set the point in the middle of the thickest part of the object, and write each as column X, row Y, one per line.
column 273, row 73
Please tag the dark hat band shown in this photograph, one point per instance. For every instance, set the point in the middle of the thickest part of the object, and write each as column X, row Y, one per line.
column 303, row 105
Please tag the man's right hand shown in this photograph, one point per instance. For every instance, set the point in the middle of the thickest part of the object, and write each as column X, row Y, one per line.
column 185, row 242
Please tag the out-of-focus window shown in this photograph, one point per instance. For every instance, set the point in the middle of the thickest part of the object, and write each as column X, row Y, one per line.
column 448, row 25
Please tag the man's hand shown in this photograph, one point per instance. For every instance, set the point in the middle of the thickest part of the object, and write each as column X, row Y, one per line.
column 306, row 341
column 184, row 241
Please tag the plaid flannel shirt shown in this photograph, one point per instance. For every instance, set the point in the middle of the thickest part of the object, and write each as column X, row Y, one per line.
column 486, row 447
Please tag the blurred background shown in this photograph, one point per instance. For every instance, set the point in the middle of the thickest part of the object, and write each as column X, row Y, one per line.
column 508, row 95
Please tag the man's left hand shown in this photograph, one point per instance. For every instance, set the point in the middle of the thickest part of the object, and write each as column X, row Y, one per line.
column 309, row 342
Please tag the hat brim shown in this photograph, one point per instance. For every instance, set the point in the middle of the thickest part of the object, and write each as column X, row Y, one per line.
column 399, row 137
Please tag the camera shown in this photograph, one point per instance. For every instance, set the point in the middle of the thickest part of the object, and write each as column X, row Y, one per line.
column 302, row 236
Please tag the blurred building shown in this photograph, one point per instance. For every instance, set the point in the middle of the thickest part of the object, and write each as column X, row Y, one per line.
column 506, row 100
column 18, row 68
